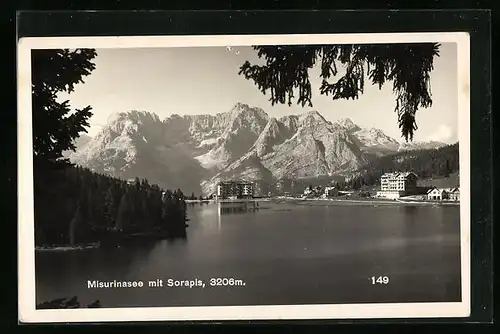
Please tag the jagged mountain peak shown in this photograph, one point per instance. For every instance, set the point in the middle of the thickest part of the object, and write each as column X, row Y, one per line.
column 376, row 133
column 231, row 135
column 79, row 143
column 133, row 115
column 273, row 122
column 244, row 116
column 348, row 124
column 176, row 116
column 345, row 121
column 130, row 123
column 312, row 114
column 242, row 108
column 423, row 145
column 311, row 119
column 190, row 151
column 273, row 134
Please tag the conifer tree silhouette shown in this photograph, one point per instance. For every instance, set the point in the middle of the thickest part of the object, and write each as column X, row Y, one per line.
column 55, row 126
column 285, row 74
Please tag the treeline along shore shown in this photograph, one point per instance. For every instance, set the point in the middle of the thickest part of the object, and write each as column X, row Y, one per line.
column 75, row 207
column 426, row 163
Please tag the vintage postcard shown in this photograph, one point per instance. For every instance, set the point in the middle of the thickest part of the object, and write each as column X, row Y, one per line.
column 253, row 177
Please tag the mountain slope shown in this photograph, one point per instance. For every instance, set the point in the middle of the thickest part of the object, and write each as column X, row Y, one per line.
column 306, row 146
column 79, row 142
column 428, row 164
column 194, row 152
column 369, row 140
column 316, row 148
column 243, row 126
column 425, row 145
column 133, row 144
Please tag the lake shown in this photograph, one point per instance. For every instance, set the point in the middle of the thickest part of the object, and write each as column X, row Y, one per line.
column 282, row 253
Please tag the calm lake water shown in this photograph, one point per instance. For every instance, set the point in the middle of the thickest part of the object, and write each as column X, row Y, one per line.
column 284, row 253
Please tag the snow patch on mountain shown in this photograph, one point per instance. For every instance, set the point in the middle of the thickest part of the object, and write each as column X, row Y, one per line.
column 211, row 160
column 209, row 142
column 425, row 145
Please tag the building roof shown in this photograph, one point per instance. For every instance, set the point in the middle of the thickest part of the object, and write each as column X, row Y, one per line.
column 439, row 190
column 242, row 182
column 399, row 175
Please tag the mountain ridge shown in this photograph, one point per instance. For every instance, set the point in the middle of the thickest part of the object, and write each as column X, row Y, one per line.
column 194, row 152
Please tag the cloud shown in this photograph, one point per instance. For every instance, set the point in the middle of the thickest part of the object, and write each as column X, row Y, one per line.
column 444, row 133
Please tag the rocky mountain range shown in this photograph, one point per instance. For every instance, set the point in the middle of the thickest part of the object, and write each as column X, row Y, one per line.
column 194, row 152
column 81, row 141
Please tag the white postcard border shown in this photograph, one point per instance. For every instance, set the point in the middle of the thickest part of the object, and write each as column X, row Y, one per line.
column 26, row 255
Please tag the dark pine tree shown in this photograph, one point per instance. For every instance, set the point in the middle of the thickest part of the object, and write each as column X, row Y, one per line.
column 72, row 204
column 55, row 125
column 285, row 74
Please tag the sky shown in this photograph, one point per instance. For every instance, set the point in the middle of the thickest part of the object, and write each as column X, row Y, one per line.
column 205, row 80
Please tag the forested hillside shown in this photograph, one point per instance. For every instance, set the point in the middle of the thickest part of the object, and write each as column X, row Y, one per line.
column 430, row 163
column 75, row 206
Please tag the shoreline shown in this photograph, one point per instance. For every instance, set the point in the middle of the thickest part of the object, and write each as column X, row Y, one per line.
column 239, row 200
column 373, row 202
column 67, row 247
column 370, row 201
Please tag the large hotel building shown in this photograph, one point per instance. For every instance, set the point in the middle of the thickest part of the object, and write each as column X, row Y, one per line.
column 235, row 190
column 395, row 185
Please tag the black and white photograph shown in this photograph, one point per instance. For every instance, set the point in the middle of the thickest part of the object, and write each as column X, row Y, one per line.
column 244, row 177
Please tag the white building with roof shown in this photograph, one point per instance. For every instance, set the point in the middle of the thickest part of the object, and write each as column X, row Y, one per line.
column 398, row 184
column 454, row 194
column 331, row 192
column 437, row 194
column 235, row 189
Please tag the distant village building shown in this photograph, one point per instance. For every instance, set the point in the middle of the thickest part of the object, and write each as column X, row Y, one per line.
column 284, row 185
column 235, row 189
column 163, row 196
column 395, row 185
column 246, row 189
column 308, row 191
column 331, row 192
column 437, row 194
column 454, row 194
column 280, row 186
column 311, row 191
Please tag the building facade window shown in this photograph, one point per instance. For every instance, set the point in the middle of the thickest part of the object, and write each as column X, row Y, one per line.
column 399, row 183
column 235, row 189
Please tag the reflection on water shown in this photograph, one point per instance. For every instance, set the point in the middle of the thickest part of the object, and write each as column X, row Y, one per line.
column 237, row 207
column 286, row 253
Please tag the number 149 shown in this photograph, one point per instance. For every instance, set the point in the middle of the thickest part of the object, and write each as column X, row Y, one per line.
column 379, row 280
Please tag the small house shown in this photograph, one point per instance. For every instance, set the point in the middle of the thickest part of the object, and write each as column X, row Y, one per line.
column 436, row 194
column 308, row 191
column 454, row 194
column 331, row 192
